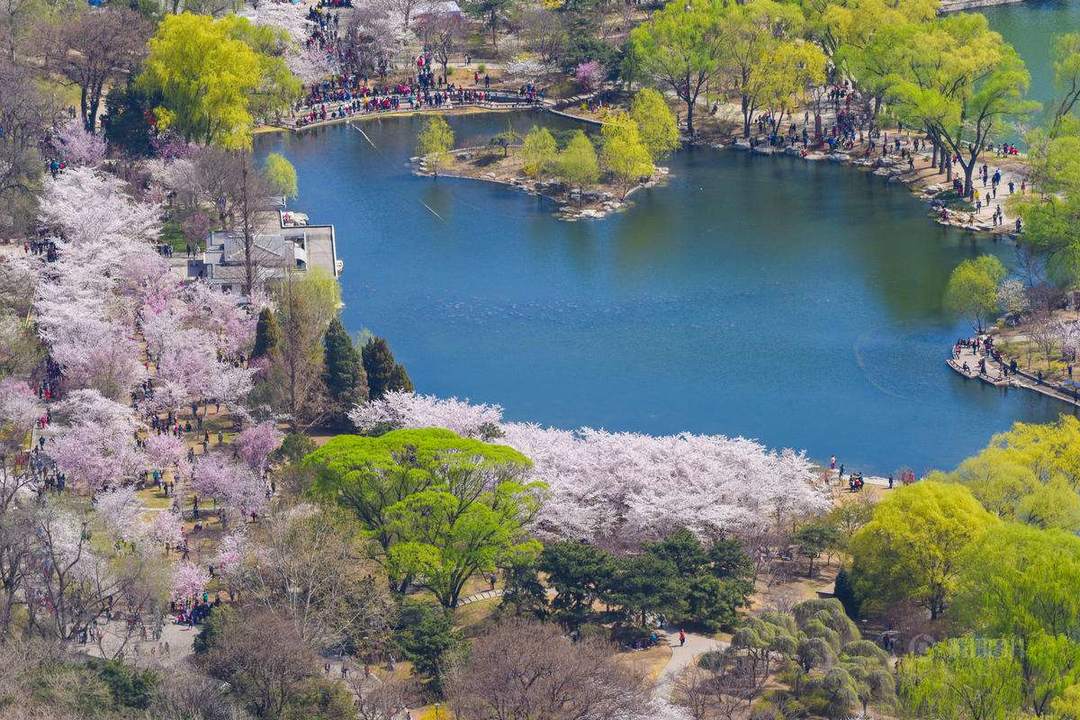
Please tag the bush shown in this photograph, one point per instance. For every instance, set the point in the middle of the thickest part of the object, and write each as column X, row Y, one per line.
column 845, row 593
column 294, row 448
column 130, row 687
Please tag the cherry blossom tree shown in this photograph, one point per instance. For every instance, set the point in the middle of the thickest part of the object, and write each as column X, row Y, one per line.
column 166, row 529
column 90, row 206
column 76, row 146
column 119, row 509
column 231, row 551
column 165, row 451
column 188, row 580
column 257, row 442
column 627, row 487
column 590, row 75
column 19, row 410
column 233, row 485
column 93, row 442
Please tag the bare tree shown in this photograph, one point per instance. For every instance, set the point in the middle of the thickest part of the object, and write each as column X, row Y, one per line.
column 264, row 660
column 440, row 32
column 545, row 32
column 377, row 699
column 1043, row 331
column 310, row 568
column 523, row 670
column 183, row 694
column 366, row 45
column 96, row 48
column 404, row 9
column 24, row 115
column 306, row 302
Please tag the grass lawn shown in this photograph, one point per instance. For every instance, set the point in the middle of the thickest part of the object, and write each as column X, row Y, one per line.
column 472, row 618
column 154, row 499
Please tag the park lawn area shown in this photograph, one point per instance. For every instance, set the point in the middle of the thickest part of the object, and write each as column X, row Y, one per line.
column 153, row 498
column 472, row 618
column 172, row 235
column 652, row 660
column 429, row 712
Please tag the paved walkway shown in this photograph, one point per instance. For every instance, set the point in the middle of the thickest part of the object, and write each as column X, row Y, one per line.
column 485, row 595
column 1022, row 379
column 682, row 657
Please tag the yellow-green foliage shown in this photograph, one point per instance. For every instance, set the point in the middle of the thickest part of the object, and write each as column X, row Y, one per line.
column 623, row 154
column 972, row 289
column 911, row 547
column 216, row 76
column 435, row 142
column 655, row 122
column 441, row 507
column 538, row 152
column 577, row 164
column 1030, row 473
column 281, row 174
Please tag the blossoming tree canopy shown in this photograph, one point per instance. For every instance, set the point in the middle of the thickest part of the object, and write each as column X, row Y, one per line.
column 257, row 442
column 442, row 507
column 627, row 487
column 94, row 441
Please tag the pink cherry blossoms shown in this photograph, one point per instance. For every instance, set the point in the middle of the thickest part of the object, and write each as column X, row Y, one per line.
column 257, row 442
column 94, row 441
column 188, row 581
column 119, row 509
column 628, row 486
column 233, row 485
column 19, row 409
column 78, row 147
column 165, row 529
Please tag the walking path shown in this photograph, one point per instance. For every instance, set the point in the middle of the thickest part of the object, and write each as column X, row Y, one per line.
column 682, row 657
column 485, row 595
column 1021, row 379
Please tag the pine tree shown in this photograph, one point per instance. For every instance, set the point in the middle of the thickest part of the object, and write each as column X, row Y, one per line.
column 267, row 333
column 343, row 373
column 399, row 380
column 383, row 372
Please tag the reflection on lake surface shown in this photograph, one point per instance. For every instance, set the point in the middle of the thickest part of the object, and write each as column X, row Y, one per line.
column 796, row 303
column 1030, row 28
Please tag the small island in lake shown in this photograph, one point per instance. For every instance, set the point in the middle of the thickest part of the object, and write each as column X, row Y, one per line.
column 587, row 176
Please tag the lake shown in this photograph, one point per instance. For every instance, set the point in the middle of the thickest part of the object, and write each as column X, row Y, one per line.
column 1030, row 27
column 792, row 302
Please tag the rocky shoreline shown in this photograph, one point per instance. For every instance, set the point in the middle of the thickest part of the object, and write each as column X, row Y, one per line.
column 951, row 6
column 895, row 170
column 573, row 203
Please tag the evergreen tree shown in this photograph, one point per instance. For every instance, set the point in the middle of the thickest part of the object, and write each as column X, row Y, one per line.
column 399, row 380
column 346, row 382
column 383, row 372
column 267, row 333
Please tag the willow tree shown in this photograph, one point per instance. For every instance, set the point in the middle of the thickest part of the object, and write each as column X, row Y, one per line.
column 679, row 48
column 961, row 82
column 623, row 153
column 910, row 549
column 751, row 37
column 656, row 123
column 435, row 142
column 215, row 76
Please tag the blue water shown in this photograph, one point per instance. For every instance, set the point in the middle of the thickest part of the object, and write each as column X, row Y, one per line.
column 1030, row 27
column 797, row 303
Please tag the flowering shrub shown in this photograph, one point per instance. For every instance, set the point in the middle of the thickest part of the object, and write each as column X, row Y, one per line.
column 590, row 75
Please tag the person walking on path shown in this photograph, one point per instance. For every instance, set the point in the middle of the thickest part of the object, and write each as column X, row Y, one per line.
column 682, row 637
